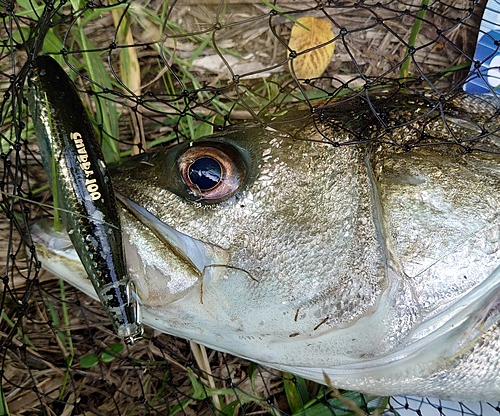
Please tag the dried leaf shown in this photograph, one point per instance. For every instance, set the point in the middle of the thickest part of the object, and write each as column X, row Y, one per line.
column 313, row 63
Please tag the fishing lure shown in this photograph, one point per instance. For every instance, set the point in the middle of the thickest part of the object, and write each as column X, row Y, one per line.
column 80, row 182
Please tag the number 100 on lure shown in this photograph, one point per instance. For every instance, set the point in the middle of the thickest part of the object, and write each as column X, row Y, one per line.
column 75, row 166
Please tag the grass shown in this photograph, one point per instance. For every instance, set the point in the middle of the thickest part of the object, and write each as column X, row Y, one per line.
column 64, row 337
column 281, row 12
column 108, row 108
column 105, row 113
column 4, row 317
column 4, row 408
column 415, row 30
column 108, row 355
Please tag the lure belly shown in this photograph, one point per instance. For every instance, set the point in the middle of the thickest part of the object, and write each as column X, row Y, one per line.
column 79, row 178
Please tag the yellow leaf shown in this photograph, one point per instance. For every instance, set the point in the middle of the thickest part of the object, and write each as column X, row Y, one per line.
column 313, row 63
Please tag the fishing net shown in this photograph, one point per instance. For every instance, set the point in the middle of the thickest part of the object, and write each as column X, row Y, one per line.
column 156, row 72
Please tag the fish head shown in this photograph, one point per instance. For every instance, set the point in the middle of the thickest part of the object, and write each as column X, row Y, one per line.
column 258, row 240
column 280, row 246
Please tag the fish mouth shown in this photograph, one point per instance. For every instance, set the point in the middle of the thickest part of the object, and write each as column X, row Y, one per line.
column 193, row 252
column 166, row 264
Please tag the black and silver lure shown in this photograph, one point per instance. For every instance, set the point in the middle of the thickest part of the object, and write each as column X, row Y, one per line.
column 75, row 166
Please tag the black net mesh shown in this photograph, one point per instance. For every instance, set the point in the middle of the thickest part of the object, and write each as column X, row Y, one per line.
column 155, row 72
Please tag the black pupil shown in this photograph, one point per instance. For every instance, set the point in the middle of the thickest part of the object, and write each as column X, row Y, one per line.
column 205, row 173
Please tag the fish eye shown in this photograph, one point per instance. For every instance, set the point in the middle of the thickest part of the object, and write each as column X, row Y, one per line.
column 205, row 173
column 212, row 172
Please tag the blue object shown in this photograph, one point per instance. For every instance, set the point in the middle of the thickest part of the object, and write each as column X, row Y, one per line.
column 485, row 69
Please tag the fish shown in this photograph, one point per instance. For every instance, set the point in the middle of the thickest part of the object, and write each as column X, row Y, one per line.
column 357, row 245
column 80, row 181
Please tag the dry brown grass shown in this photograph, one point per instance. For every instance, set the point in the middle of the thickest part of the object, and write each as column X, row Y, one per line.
column 41, row 370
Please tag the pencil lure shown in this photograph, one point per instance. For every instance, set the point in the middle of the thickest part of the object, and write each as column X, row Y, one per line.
column 80, row 182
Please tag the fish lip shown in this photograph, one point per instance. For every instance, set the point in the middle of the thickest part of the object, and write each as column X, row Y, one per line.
column 56, row 242
column 195, row 253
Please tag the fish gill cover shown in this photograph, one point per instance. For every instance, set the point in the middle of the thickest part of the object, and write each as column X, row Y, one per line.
column 153, row 73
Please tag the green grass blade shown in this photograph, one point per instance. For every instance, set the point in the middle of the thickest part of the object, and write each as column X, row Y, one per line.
column 65, row 316
column 415, row 30
column 201, row 47
column 316, row 407
column 106, row 111
column 4, row 316
column 77, row 4
column 27, row 8
column 180, row 407
column 53, row 43
column 161, row 392
column 295, row 391
column 4, row 408
column 199, row 390
column 280, row 11
column 231, row 409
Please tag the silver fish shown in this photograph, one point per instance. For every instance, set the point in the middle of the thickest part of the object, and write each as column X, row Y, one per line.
column 373, row 264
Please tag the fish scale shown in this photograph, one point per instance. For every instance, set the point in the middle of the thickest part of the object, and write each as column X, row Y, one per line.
column 329, row 258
